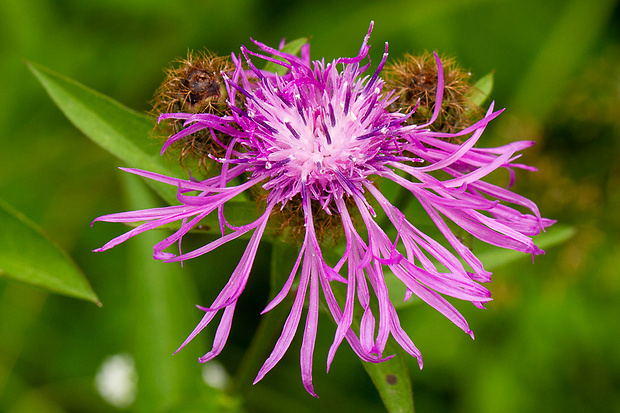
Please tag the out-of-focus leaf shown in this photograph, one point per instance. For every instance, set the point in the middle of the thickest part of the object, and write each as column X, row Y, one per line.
column 20, row 307
column 571, row 37
column 496, row 257
column 397, row 290
column 125, row 134
column 482, row 89
column 391, row 378
column 34, row 400
column 163, row 297
column 27, row 255
column 293, row 47
column 116, row 128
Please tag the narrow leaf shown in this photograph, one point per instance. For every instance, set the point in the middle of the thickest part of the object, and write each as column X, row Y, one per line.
column 163, row 297
column 293, row 47
column 553, row 236
column 27, row 255
column 391, row 378
column 482, row 89
column 126, row 134
column 116, row 128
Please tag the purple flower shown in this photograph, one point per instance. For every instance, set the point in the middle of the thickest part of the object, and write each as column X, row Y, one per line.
column 320, row 137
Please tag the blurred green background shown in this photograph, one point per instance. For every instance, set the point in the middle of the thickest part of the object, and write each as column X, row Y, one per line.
column 549, row 340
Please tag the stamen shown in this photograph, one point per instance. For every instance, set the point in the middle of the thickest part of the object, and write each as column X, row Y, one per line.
column 284, row 100
column 300, row 108
column 371, row 106
column 331, row 114
column 370, row 134
column 265, row 125
column 375, row 75
column 347, row 101
column 240, row 89
column 327, row 136
column 292, row 130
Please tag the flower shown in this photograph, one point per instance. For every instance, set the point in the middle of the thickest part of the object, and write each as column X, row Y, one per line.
column 320, row 137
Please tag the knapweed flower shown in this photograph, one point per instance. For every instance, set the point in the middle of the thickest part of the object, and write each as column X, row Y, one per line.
column 319, row 137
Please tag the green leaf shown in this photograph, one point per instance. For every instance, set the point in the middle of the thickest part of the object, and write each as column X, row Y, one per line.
column 497, row 257
column 391, row 378
column 163, row 314
column 293, row 47
column 571, row 37
column 397, row 290
column 125, row 134
column 116, row 128
column 27, row 255
column 481, row 90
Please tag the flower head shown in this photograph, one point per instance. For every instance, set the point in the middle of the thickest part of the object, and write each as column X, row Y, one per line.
column 320, row 137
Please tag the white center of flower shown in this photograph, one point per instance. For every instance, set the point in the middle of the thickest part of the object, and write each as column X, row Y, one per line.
column 315, row 145
column 321, row 128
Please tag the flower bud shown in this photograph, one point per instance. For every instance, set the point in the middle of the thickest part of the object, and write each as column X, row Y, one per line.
column 415, row 77
column 194, row 85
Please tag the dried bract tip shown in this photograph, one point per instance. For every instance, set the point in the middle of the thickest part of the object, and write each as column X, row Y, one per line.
column 415, row 77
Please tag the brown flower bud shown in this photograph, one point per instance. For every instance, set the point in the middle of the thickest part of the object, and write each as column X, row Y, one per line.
column 194, row 85
column 415, row 77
